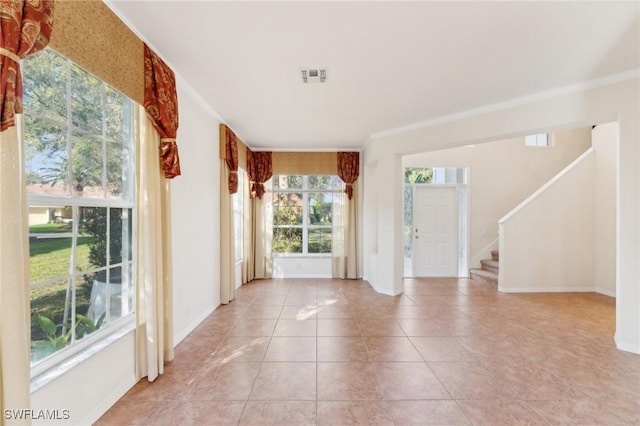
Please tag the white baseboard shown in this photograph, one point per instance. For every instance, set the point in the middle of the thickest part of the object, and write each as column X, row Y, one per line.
column 503, row 289
column 606, row 292
column 177, row 338
column 302, row 276
column 106, row 404
column 626, row 346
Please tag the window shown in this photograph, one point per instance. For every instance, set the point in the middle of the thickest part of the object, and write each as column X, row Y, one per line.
column 541, row 139
column 80, row 190
column 238, row 215
column 303, row 213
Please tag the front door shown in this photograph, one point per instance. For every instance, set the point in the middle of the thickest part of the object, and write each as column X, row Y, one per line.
column 435, row 231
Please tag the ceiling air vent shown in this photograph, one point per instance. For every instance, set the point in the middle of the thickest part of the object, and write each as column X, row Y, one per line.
column 313, row 75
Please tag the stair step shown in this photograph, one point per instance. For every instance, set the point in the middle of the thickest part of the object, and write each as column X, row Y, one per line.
column 495, row 255
column 490, row 265
column 485, row 276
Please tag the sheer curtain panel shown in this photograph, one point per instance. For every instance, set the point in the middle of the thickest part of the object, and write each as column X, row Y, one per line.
column 228, row 187
column 25, row 29
column 154, row 306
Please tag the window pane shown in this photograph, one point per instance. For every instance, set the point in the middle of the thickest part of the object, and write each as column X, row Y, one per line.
column 86, row 166
column 50, row 242
column 117, row 159
column 48, row 331
column 321, row 182
column 84, row 286
column 44, row 89
column 119, row 235
column 86, row 101
column 287, row 240
column 418, row 175
column 287, row 209
column 94, row 223
column 127, row 296
column 320, row 208
column 104, row 300
column 320, row 240
column 46, row 157
column 114, row 111
column 287, row 182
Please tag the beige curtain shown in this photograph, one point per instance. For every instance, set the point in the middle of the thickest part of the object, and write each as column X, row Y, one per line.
column 14, row 276
column 248, row 259
column 262, row 233
column 345, row 236
column 227, row 247
column 154, row 325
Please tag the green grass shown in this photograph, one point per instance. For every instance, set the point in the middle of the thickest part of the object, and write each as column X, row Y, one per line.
column 50, row 228
column 50, row 258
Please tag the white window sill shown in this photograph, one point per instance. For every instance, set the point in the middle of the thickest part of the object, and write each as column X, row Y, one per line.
column 120, row 330
column 303, row 255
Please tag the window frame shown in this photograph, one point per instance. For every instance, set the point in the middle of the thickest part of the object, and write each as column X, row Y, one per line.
column 306, row 225
column 124, row 201
column 539, row 142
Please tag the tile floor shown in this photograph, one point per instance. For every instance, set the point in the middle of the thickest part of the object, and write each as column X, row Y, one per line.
column 448, row 351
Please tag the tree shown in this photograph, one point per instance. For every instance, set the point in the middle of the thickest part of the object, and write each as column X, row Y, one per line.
column 74, row 125
column 288, row 210
column 413, row 175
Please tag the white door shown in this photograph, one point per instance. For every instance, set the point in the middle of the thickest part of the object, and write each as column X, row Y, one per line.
column 435, row 231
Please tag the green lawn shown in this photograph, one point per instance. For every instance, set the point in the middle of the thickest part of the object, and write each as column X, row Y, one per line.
column 50, row 258
column 50, row 228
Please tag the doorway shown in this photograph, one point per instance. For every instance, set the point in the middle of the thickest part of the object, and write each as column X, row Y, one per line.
column 435, row 222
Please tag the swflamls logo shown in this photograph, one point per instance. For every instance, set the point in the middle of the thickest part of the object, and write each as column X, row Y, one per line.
column 31, row 414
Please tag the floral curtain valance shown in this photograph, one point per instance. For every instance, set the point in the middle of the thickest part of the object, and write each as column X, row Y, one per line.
column 349, row 169
column 161, row 105
column 231, row 157
column 25, row 28
column 259, row 169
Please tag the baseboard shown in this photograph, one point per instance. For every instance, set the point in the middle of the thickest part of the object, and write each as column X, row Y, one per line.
column 626, row 346
column 502, row 289
column 108, row 402
column 282, row 276
column 177, row 338
column 606, row 292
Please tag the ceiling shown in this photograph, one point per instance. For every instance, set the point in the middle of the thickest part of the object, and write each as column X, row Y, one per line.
column 390, row 64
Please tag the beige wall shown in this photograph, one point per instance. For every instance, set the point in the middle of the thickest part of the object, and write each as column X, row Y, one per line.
column 547, row 242
column 605, row 143
column 501, row 175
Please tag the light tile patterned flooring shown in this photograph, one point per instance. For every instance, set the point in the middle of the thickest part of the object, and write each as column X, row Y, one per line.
column 448, row 351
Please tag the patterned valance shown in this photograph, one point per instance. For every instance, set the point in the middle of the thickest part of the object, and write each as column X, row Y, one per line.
column 259, row 169
column 349, row 169
column 25, row 28
column 161, row 104
column 231, row 157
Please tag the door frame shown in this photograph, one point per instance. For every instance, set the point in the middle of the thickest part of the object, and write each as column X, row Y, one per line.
column 463, row 206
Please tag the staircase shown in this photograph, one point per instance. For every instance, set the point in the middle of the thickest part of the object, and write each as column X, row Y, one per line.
column 488, row 273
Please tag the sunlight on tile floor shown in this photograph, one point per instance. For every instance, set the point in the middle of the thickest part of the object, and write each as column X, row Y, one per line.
column 446, row 352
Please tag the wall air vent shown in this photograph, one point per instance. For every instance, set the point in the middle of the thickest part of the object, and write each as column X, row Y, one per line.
column 313, row 75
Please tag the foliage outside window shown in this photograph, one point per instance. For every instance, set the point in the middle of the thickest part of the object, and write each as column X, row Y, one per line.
column 303, row 213
column 80, row 185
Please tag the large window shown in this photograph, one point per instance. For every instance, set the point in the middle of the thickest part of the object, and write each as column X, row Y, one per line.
column 80, row 183
column 303, row 213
